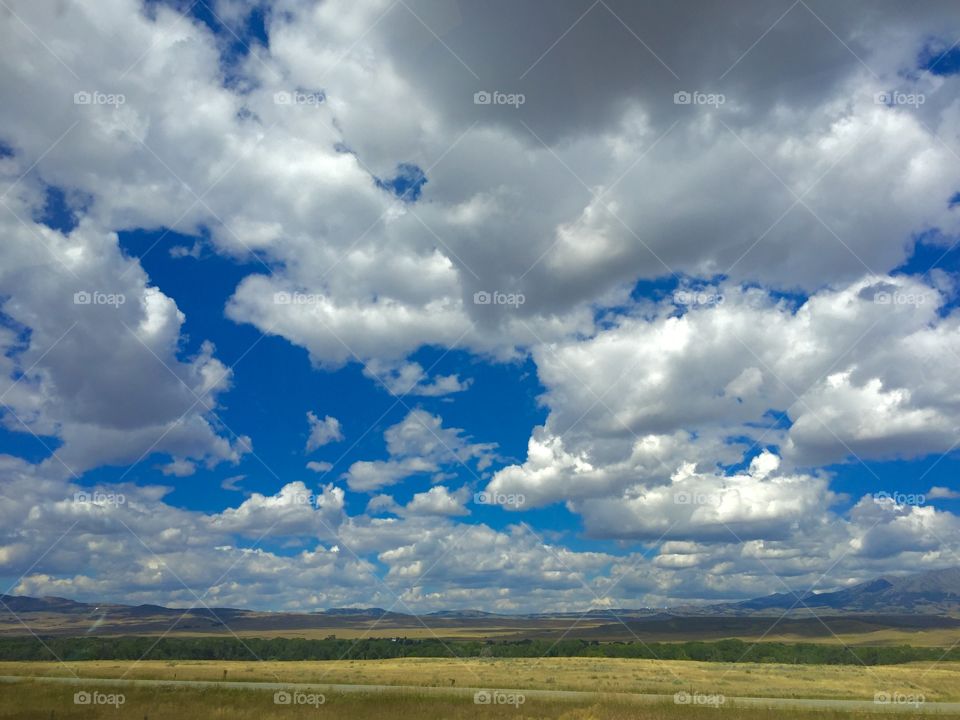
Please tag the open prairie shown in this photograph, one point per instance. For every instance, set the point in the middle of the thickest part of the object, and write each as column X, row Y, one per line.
column 31, row 701
column 936, row 682
column 849, row 629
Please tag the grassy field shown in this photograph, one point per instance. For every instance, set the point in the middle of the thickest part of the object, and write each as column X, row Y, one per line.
column 938, row 683
column 850, row 630
column 58, row 625
column 938, row 637
column 36, row 702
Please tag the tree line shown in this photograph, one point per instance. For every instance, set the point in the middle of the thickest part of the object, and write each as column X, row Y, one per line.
column 229, row 648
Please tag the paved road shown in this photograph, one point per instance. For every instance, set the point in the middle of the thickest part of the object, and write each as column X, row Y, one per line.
column 572, row 695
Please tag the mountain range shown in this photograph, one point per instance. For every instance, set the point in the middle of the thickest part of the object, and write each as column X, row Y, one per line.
column 931, row 592
column 890, row 601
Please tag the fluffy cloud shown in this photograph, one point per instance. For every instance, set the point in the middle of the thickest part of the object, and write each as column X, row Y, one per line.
column 409, row 378
column 322, row 432
column 438, row 501
column 355, row 273
column 938, row 492
column 419, row 444
column 294, row 510
column 856, row 373
column 715, row 508
column 92, row 352
column 126, row 543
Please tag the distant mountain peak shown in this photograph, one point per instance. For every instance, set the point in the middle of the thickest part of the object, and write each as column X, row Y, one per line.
column 375, row 612
column 928, row 592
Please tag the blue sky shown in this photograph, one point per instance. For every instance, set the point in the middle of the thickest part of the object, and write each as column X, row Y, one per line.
column 603, row 323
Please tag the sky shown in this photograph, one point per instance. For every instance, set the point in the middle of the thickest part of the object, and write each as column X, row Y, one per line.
column 518, row 305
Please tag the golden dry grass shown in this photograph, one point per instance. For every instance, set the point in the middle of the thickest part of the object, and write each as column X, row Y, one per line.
column 938, row 682
column 31, row 701
column 54, row 624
